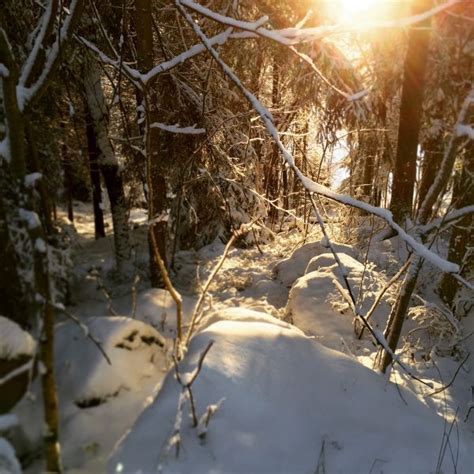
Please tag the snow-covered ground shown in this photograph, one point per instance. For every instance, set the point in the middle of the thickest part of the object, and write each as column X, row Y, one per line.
column 287, row 386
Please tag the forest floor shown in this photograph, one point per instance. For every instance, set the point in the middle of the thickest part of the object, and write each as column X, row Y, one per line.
column 283, row 401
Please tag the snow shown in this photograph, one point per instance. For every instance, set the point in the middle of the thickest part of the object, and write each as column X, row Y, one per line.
column 289, row 269
column 98, row 402
column 14, row 341
column 293, row 36
column 30, row 179
column 30, row 217
column 316, row 306
column 5, row 149
column 7, row 422
column 9, row 464
column 464, row 130
column 283, row 396
column 178, row 129
column 386, row 215
column 157, row 308
column 128, row 343
column 40, row 245
column 4, row 72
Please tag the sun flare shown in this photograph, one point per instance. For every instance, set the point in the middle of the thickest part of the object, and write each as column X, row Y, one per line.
column 350, row 11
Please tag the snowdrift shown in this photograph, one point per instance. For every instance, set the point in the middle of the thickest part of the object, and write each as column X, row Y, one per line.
column 288, row 404
column 331, row 323
column 293, row 267
column 98, row 401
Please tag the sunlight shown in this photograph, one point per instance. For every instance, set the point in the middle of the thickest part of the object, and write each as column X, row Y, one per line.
column 358, row 11
column 355, row 10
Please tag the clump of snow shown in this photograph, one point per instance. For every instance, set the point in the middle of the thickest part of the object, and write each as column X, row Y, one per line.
column 14, row 342
column 30, row 179
column 290, row 269
column 132, row 347
column 285, row 398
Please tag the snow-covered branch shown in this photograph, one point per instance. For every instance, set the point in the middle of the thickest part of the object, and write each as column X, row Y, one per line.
column 45, row 27
column 178, row 129
column 26, row 92
column 140, row 79
column 292, row 36
column 446, row 220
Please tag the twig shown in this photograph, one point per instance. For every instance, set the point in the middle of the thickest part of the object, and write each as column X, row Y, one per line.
column 169, row 286
column 85, row 330
column 100, row 284
column 17, row 372
column 194, row 318
column 442, row 389
column 471, row 405
column 187, row 385
column 380, row 296
column 321, row 467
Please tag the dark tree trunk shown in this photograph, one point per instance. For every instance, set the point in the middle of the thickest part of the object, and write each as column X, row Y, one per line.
column 68, row 193
column 411, row 110
column 35, row 167
column 430, row 167
column 94, row 171
column 156, row 182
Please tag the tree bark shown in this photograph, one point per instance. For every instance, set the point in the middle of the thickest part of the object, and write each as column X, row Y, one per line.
column 411, row 110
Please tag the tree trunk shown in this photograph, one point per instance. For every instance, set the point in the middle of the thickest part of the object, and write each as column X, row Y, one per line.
column 107, row 161
column 411, row 110
column 272, row 171
column 68, row 194
column 94, row 171
column 430, row 167
column 156, row 182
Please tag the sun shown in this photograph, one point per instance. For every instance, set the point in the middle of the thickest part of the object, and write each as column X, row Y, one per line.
column 356, row 10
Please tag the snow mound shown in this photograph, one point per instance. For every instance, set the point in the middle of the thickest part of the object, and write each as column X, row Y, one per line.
column 285, row 404
column 316, row 306
column 243, row 315
column 85, row 376
column 98, row 402
column 157, row 308
column 327, row 260
column 290, row 269
column 14, row 342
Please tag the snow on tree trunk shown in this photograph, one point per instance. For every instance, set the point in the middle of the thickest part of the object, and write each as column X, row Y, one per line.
column 107, row 161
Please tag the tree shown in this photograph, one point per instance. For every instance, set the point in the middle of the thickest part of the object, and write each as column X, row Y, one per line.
column 404, row 173
column 106, row 160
